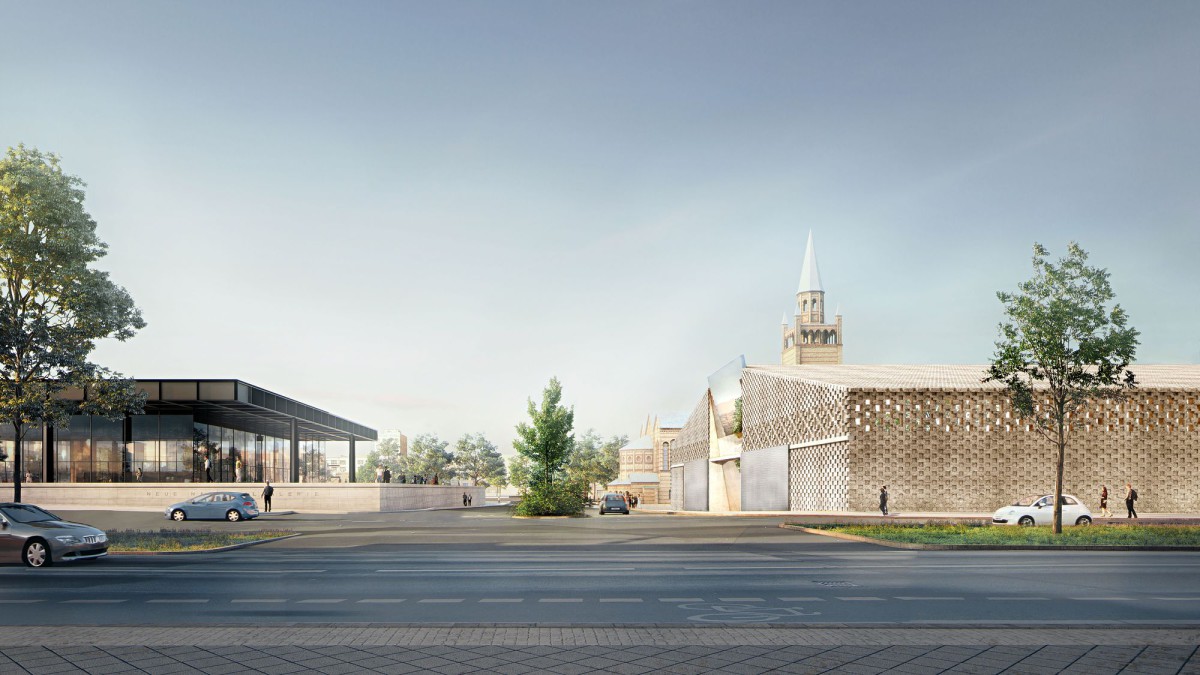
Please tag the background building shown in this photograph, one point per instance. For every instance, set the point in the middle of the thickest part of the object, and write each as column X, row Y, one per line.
column 645, row 463
column 809, row 339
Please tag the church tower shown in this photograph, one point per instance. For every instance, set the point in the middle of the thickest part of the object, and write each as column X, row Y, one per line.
column 809, row 340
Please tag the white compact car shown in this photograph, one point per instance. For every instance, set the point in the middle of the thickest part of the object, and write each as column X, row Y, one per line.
column 1039, row 510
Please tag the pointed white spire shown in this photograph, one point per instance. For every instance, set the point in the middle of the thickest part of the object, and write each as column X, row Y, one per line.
column 810, row 275
column 784, row 322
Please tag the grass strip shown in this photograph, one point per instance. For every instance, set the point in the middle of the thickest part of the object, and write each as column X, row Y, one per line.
column 183, row 540
column 991, row 535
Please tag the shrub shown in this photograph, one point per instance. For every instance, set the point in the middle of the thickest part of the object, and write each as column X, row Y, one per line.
column 562, row 498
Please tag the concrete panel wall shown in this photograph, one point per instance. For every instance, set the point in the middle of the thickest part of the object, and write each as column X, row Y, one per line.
column 765, row 479
column 695, row 485
column 677, row 488
column 306, row 497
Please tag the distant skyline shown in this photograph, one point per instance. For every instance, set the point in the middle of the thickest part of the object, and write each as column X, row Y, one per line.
column 412, row 215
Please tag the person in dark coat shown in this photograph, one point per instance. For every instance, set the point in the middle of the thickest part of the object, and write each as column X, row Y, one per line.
column 1130, row 498
column 387, row 475
column 883, row 497
column 1104, row 512
column 266, row 495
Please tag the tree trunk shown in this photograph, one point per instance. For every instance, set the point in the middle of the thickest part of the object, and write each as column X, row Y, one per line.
column 18, row 473
column 1058, row 486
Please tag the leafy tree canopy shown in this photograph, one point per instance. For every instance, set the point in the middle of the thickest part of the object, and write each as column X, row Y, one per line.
column 1061, row 346
column 476, row 459
column 428, row 456
column 548, row 439
column 520, row 471
column 54, row 306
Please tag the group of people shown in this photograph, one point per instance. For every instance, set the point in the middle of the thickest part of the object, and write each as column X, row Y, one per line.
column 383, row 474
column 467, row 499
column 632, row 500
column 1131, row 496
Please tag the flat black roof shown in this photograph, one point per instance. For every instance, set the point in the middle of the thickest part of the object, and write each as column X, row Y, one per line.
column 237, row 404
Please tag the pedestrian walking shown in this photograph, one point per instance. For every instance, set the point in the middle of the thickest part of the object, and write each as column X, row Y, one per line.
column 1130, row 498
column 379, row 473
column 883, row 497
column 464, row 499
column 1104, row 512
column 266, row 495
column 387, row 474
column 470, row 499
column 208, row 468
column 237, row 470
column 137, row 474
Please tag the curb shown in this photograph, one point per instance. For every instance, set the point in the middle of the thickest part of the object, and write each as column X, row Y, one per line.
column 978, row 547
column 231, row 547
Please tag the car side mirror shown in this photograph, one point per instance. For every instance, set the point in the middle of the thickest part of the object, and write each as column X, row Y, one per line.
column 1039, row 506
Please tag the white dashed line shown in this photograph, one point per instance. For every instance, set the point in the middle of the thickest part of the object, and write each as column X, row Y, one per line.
column 681, row 599
column 92, row 602
column 321, row 601
column 258, row 601
column 381, row 600
column 502, row 600
column 560, row 599
column 178, row 601
column 802, row 599
column 917, row 597
column 440, row 600
column 620, row 599
column 740, row 599
column 859, row 598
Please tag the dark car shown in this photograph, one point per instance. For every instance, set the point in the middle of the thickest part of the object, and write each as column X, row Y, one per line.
column 231, row 506
column 613, row 503
column 39, row 538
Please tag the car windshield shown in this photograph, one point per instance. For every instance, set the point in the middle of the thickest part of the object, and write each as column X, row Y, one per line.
column 1027, row 501
column 25, row 513
column 614, row 498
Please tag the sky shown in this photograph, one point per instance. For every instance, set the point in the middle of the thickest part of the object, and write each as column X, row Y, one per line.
column 414, row 214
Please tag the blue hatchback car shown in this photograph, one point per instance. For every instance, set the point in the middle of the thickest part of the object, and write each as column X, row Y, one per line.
column 231, row 506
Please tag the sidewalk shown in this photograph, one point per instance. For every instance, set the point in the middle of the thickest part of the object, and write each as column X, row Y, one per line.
column 598, row 649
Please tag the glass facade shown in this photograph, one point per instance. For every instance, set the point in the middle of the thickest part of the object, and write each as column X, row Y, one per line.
column 166, row 448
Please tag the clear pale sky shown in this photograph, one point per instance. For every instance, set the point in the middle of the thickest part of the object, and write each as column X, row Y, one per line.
column 414, row 214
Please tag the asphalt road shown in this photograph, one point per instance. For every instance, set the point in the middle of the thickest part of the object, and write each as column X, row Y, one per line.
column 479, row 566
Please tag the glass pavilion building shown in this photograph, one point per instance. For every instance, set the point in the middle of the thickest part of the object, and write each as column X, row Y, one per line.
column 185, row 423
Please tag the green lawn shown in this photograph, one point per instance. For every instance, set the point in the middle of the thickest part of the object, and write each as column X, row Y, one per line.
column 990, row 535
column 184, row 540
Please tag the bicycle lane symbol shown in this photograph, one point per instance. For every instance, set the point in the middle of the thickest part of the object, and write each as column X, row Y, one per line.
column 739, row 613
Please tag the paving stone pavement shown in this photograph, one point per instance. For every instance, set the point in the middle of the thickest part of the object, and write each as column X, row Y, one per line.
column 451, row 650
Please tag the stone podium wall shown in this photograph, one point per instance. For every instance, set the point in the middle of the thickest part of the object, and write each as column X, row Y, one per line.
column 306, row 497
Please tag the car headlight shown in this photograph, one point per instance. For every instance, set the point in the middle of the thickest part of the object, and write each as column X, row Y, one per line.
column 68, row 539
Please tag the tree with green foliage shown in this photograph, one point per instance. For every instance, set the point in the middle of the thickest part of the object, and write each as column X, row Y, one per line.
column 547, row 441
column 519, row 472
column 476, row 459
column 595, row 460
column 428, row 457
column 54, row 306
column 1061, row 347
column 386, row 454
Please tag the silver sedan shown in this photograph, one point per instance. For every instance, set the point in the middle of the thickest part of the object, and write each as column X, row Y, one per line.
column 39, row 538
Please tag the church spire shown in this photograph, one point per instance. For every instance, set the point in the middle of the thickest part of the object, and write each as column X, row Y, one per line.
column 810, row 274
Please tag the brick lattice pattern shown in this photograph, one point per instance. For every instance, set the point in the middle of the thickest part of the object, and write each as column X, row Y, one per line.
column 692, row 442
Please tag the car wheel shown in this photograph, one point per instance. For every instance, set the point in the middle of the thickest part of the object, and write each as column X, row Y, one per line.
column 1025, row 521
column 178, row 515
column 1083, row 520
column 233, row 516
column 36, row 554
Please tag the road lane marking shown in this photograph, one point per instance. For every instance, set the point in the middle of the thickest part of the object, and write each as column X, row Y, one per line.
column 509, row 570
column 440, row 600
column 560, row 599
column 257, row 600
column 93, row 601
column 177, row 601
column 809, row 599
column 919, row 597
column 1016, row 597
column 18, row 602
column 859, row 598
column 321, row 601
column 681, row 599
column 502, row 600
column 620, row 599
column 741, row 599
column 1100, row 599
column 381, row 600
